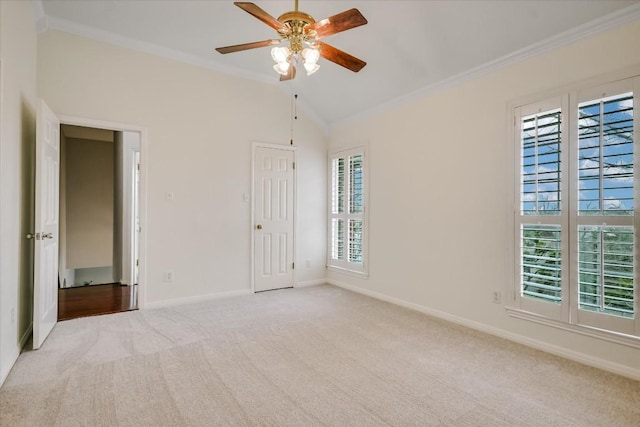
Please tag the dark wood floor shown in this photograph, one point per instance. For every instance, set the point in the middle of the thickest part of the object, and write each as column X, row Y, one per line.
column 96, row 299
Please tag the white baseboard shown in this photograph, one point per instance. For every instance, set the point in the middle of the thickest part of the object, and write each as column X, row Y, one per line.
column 14, row 357
column 585, row 359
column 308, row 283
column 25, row 337
column 199, row 298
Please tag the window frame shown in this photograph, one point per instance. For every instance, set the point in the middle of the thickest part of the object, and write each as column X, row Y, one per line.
column 568, row 315
column 580, row 316
column 346, row 266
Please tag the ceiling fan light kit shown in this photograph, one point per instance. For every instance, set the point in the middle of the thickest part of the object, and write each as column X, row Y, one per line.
column 311, row 56
column 303, row 34
column 311, row 68
column 280, row 54
column 282, row 68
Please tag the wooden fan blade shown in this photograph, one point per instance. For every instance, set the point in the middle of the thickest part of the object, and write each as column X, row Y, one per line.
column 262, row 15
column 247, row 46
column 290, row 75
column 340, row 57
column 344, row 21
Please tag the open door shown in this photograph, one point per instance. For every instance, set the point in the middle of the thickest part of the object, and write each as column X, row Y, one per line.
column 45, row 274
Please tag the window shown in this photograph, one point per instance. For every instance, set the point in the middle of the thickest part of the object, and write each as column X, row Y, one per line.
column 347, row 200
column 577, row 209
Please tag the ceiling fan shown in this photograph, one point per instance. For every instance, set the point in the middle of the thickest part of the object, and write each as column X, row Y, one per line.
column 303, row 34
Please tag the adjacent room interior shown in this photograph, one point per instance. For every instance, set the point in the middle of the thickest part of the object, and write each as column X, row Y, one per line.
column 430, row 218
column 98, row 221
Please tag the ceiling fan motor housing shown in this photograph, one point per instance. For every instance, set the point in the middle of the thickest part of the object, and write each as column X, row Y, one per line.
column 297, row 21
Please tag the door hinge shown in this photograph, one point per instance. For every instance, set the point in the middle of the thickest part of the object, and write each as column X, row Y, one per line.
column 137, row 263
column 138, row 166
column 294, row 165
column 293, row 265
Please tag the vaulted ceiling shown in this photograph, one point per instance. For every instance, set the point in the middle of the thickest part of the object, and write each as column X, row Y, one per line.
column 409, row 46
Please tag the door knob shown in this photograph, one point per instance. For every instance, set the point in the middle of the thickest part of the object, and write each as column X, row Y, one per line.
column 259, row 226
column 35, row 236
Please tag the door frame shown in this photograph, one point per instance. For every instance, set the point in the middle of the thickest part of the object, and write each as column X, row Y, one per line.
column 254, row 146
column 142, row 189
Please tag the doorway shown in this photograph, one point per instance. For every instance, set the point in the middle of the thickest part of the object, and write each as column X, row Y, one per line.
column 99, row 221
column 46, row 277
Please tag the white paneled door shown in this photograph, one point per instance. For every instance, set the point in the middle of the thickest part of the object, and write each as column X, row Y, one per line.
column 273, row 218
column 45, row 275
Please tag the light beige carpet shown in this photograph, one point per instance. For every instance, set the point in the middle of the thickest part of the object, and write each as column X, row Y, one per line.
column 301, row 357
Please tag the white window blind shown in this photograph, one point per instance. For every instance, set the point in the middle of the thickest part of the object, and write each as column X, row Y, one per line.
column 605, row 156
column 541, row 138
column 606, row 270
column 347, row 208
column 605, row 224
column 541, row 262
column 540, row 222
column 576, row 221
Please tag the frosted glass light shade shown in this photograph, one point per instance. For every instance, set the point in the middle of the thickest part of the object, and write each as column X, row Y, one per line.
column 280, row 54
column 310, row 56
column 311, row 68
column 282, row 68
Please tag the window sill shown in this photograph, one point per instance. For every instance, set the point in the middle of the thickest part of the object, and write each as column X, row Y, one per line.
column 347, row 271
column 614, row 337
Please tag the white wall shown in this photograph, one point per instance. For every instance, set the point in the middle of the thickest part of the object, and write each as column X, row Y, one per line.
column 17, row 136
column 89, row 200
column 440, row 219
column 200, row 124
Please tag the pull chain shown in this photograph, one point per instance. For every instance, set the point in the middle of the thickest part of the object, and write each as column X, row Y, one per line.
column 294, row 113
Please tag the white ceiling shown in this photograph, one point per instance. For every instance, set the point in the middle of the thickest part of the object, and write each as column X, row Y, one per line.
column 409, row 46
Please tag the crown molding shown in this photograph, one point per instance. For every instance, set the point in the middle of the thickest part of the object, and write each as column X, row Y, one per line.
column 149, row 48
column 46, row 23
column 600, row 25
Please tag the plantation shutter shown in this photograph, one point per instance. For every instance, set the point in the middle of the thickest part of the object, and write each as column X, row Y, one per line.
column 347, row 208
column 541, row 187
column 576, row 213
column 605, row 223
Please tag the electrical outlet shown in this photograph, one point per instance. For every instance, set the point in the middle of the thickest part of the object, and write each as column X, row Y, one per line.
column 13, row 315
column 168, row 276
column 497, row 297
column 308, row 263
